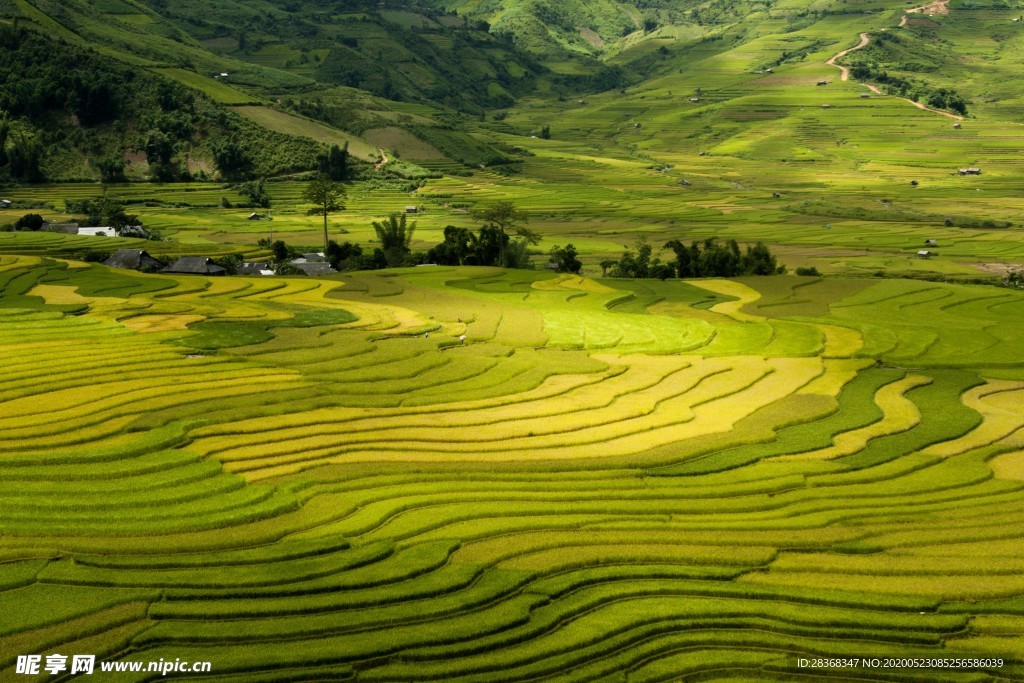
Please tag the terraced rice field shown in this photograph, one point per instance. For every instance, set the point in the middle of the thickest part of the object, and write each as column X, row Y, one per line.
column 609, row 480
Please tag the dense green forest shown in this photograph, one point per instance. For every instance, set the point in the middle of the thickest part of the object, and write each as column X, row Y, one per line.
column 70, row 113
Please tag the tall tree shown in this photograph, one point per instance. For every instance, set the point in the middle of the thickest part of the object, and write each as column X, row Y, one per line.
column 326, row 196
column 505, row 218
column 394, row 236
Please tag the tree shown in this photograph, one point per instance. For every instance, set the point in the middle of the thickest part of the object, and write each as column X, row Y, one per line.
column 231, row 159
column 256, row 192
column 505, row 218
column 280, row 250
column 565, row 259
column 30, row 221
column 111, row 169
column 334, row 162
column 327, row 197
column 394, row 236
column 25, row 157
column 5, row 131
column 345, row 256
column 456, row 248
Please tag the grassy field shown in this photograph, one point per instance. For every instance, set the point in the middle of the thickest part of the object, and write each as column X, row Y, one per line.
column 475, row 474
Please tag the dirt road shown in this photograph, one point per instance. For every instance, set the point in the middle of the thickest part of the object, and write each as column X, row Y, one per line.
column 937, row 7
column 844, row 72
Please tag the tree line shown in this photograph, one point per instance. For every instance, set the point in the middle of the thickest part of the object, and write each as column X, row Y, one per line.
column 707, row 258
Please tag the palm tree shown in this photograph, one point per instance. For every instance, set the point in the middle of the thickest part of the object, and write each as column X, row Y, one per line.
column 394, row 236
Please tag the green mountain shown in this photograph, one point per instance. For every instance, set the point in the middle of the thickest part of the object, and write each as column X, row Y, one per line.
column 197, row 88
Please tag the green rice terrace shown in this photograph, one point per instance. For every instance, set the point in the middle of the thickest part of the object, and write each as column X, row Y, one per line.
column 298, row 479
column 472, row 473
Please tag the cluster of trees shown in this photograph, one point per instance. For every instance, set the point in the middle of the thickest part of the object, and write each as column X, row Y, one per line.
column 502, row 240
column 708, row 258
column 101, row 211
column 938, row 98
column 21, row 155
column 92, row 212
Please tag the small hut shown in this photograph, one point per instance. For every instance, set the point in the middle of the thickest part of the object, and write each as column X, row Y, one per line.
column 924, row 253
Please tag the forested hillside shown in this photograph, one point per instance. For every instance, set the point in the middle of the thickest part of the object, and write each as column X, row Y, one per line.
column 72, row 113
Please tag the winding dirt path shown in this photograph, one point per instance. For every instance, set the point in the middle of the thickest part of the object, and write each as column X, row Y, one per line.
column 383, row 159
column 937, row 7
column 844, row 72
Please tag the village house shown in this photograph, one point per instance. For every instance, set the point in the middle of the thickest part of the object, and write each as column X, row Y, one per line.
column 133, row 259
column 195, row 265
column 314, row 269
column 62, row 228
column 969, row 171
column 133, row 231
column 310, row 257
column 262, row 268
column 5, row 203
column 96, row 231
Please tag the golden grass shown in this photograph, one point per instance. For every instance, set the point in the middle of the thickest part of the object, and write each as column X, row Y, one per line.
column 161, row 322
column 705, row 398
column 744, row 295
column 840, row 342
column 838, row 373
column 1008, row 466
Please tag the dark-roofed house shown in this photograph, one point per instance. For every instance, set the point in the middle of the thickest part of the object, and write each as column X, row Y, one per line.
column 133, row 259
column 314, row 269
column 195, row 265
column 256, row 268
column 134, row 231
